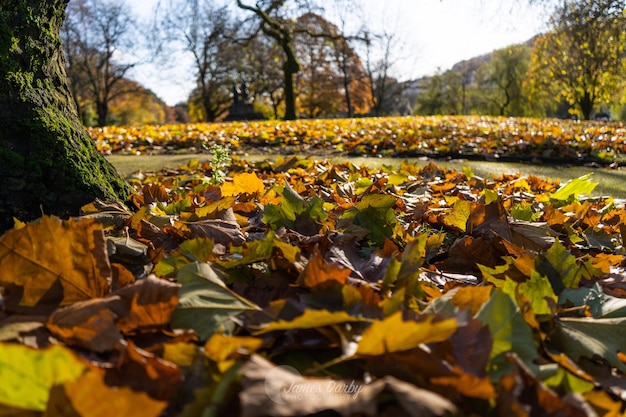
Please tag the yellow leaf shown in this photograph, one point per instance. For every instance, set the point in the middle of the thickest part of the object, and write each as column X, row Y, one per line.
column 471, row 297
column 64, row 260
column 243, row 183
column 312, row 319
column 27, row 374
column 220, row 348
column 459, row 215
column 396, row 335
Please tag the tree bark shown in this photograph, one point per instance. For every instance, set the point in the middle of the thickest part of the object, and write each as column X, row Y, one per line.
column 48, row 162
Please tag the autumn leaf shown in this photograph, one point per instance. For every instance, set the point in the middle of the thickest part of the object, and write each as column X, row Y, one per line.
column 311, row 319
column 572, row 189
column 393, row 334
column 271, row 389
column 28, row 375
column 52, row 262
column 509, row 331
column 243, row 183
column 98, row 324
column 459, row 215
column 318, row 272
column 206, row 304
column 90, row 396
column 590, row 338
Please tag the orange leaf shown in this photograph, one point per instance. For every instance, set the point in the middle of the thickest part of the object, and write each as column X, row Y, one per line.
column 243, row 183
column 89, row 396
column 52, row 262
column 319, row 271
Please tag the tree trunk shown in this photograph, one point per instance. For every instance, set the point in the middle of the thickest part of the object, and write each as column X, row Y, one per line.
column 48, row 163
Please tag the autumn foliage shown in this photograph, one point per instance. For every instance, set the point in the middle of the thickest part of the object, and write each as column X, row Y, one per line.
column 397, row 286
column 469, row 137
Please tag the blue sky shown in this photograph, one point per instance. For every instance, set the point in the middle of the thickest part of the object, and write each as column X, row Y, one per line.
column 433, row 34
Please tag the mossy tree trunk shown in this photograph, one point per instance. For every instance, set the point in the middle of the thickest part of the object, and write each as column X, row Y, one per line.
column 48, row 163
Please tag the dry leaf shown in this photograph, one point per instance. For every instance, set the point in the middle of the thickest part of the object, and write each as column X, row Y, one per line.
column 52, row 262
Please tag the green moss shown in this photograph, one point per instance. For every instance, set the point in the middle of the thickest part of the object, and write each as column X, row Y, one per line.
column 47, row 160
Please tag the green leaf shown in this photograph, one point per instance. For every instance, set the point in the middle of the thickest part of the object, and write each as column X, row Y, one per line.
column 538, row 290
column 375, row 213
column 573, row 188
column 509, row 331
column 599, row 304
column 591, row 338
column 28, row 375
column 569, row 270
column 294, row 212
column 206, row 304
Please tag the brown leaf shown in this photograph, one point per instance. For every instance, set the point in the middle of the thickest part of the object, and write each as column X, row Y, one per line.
column 89, row 396
column 52, row 262
column 98, row 324
column 88, row 324
column 224, row 230
column 523, row 391
column 148, row 304
column 142, row 371
column 319, row 272
column 279, row 391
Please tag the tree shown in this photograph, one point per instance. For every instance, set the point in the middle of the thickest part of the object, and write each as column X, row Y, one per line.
column 48, row 162
column 95, row 35
column 275, row 24
column 206, row 31
column 501, row 81
column 582, row 57
column 261, row 66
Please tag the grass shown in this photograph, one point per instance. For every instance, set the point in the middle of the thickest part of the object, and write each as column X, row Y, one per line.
column 611, row 182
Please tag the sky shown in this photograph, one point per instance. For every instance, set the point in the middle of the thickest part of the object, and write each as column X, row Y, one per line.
column 433, row 35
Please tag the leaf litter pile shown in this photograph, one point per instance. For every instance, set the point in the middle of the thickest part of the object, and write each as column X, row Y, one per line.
column 469, row 137
column 303, row 287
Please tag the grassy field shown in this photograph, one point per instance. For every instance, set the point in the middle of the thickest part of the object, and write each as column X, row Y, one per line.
column 611, row 182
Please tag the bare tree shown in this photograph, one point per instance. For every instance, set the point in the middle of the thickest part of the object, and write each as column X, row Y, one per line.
column 99, row 39
column 205, row 30
column 275, row 23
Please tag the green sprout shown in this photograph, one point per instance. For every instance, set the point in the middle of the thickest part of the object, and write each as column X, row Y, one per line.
column 220, row 160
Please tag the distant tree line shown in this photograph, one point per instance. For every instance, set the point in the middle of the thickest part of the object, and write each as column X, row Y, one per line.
column 292, row 61
column 296, row 58
column 575, row 69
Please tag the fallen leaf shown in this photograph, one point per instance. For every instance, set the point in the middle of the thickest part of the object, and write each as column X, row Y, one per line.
column 52, row 262
column 243, row 183
column 281, row 391
column 318, row 272
column 393, row 334
column 28, row 375
column 206, row 304
column 89, row 396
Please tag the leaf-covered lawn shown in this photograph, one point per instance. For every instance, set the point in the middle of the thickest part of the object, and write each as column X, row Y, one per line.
column 301, row 286
column 469, row 137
